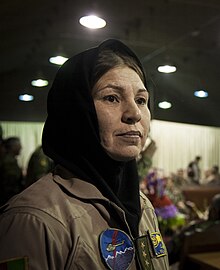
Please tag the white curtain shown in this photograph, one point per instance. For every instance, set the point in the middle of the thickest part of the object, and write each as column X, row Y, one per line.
column 177, row 144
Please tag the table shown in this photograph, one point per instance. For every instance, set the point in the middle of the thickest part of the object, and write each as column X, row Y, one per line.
column 200, row 195
column 206, row 260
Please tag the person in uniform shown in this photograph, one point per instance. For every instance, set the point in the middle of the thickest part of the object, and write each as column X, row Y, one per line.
column 38, row 165
column 11, row 176
column 88, row 213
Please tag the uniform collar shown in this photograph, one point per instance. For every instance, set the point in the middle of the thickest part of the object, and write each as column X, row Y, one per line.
column 76, row 186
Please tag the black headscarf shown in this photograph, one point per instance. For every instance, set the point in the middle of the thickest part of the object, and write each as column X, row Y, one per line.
column 71, row 133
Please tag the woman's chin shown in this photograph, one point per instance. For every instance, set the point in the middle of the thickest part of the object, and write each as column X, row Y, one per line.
column 124, row 156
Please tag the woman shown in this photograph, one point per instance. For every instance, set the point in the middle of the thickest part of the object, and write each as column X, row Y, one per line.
column 88, row 213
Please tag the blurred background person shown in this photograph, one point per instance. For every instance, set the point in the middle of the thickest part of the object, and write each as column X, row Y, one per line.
column 213, row 177
column 39, row 164
column 11, row 175
column 193, row 171
column 2, row 146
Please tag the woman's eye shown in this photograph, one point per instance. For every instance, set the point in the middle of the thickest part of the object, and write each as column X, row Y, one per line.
column 111, row 98
column 141, row 101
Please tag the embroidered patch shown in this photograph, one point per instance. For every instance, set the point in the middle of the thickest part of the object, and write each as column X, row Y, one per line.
column 117, row 249
column 15, row 264
column 143, row 251
column 157, row 244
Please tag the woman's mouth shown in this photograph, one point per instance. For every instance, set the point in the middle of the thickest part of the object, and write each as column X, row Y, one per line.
column 130, row 134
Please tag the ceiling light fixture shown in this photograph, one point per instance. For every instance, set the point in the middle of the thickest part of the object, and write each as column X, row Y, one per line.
column 92, row 22
column 166, row 69
column 164, row 105
column 201, row 94
column 39, row 83
column 26, row 97
column 58, row 60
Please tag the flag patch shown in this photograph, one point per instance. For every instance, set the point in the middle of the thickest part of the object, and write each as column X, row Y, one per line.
column 14, row 264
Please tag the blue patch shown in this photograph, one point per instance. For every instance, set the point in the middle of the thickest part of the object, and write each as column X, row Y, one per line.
column 117, row 249
column 157, row 243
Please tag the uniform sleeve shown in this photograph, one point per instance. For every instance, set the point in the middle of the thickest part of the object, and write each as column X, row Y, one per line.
column 149, row 223
column 25, row 235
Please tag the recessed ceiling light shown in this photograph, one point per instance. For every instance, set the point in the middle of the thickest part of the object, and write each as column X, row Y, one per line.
column 58, row 60
column 39, row 83
column 92, row 22
column 201, row 94
column 166, row 69
column 26, row 97
column 164, row 105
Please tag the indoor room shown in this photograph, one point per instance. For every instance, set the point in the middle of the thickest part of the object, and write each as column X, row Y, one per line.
column 175, row 45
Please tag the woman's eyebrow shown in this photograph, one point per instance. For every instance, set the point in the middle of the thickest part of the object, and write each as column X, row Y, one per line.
column 143, row 90
column 113, row 86
column 120, row 88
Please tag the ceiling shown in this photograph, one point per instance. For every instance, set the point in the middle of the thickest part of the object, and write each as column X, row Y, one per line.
column 185, row 33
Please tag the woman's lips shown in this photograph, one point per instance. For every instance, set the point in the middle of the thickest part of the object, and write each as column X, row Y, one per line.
column 133, row 134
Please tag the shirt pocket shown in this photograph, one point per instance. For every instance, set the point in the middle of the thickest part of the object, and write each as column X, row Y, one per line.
column 86, row 257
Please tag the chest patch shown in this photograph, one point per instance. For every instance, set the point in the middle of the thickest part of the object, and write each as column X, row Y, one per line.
column 116, row 249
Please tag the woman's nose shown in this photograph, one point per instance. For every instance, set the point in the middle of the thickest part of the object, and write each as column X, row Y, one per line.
column 131, row 113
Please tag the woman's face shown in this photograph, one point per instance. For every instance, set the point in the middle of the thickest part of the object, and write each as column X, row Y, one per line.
column 120, row 99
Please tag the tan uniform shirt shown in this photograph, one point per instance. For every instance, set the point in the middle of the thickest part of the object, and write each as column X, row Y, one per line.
column 56, row 224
